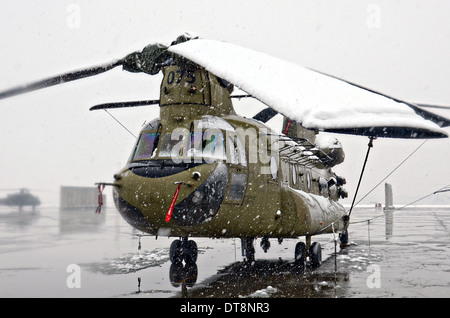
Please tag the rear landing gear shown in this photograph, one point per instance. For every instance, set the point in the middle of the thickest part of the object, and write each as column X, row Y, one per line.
column 314, row 252
column 300, row 254
column 315, row 255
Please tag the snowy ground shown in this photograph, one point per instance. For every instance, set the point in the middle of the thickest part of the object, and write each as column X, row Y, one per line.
column 82, row 254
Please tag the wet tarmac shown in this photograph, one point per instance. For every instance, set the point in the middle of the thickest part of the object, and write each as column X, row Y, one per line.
column 78, row 253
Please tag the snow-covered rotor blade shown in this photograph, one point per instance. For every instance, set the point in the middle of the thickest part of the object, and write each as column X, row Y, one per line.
column 313, row 99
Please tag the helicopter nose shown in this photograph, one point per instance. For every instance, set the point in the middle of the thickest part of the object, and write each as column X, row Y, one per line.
column 205, row 201
column 131, row 214
column 143, row 197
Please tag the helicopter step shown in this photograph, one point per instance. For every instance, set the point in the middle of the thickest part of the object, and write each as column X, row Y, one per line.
column 248, row 249
column 183, row 250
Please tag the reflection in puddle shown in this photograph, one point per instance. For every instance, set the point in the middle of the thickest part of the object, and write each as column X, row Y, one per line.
column 19, row 219
column 131, row 262
column 259, row 279
column 183, row 275
column 80, row 221
column 36, row 248
column 267, row 278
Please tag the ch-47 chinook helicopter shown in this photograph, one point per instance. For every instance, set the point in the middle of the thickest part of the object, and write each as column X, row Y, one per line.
column 200, row 170
column 21, row 199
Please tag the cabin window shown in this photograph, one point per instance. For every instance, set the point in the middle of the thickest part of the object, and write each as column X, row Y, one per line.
column 274, row 167
column 236, row 151
column 146, row 146
column 285, row 171
column 232, row 151
column 207, row 144
column 323, row 185
column 294, row 175
column 241, row 151
column 237, row 186
column 308, row 180
column 213, row 145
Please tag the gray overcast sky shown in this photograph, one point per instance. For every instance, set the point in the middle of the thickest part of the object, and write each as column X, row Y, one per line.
column 49, row 138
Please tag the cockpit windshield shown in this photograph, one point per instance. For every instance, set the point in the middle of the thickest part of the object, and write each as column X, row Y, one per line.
column 182, row 146
column 187, row 146
column 209, row 139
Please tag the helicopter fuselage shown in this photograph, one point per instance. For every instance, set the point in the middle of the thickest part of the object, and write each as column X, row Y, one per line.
column 235, row 177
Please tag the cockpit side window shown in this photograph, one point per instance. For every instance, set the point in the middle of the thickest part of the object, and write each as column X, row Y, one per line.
column 146, row 146
column 236, row 151
column 207, row 144
column 213, row 145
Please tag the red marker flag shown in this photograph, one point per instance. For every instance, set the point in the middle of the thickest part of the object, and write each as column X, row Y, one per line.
column 172, row 203
column 100, row 188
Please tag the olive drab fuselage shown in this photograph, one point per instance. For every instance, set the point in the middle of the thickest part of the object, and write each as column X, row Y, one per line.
column 236, row 177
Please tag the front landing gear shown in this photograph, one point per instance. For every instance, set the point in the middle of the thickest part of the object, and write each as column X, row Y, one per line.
column 183, row 250
column 303, row 251
column 184, row 275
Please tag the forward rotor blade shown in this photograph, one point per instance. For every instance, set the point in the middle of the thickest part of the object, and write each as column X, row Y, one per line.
column 60, row 79
column 125, row 104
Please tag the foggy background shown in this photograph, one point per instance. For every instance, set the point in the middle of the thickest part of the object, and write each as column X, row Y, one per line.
column 48, row 138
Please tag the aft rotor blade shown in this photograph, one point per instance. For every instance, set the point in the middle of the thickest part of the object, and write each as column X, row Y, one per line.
column 265, row 115
column 125, row 104
column 60, row 79
column 313, row 99
column 432, row 106
column 439, row 120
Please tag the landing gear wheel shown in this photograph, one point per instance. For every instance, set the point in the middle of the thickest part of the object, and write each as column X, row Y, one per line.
column 343, row 237
column 176, row 252
column 300, row 254
column 265, row 244
column 190, row 252
column 183, row 250
column 315, row 255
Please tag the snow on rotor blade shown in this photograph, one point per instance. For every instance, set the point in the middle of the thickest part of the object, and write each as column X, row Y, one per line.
column 315, row 100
